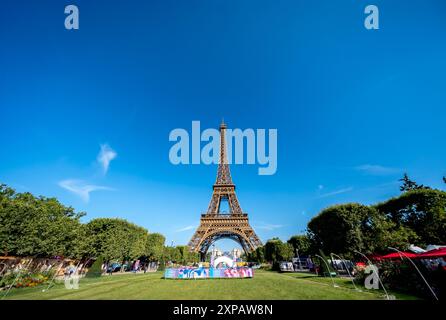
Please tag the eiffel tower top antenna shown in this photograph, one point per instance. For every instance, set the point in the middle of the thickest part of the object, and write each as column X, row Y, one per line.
column 223, row 173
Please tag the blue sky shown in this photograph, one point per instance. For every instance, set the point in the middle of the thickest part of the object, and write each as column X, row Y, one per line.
column 354, row 108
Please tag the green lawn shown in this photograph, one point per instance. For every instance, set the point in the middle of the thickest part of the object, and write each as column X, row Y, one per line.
column 264, row 285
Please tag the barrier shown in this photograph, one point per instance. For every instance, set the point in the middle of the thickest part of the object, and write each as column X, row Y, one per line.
column 207, row 273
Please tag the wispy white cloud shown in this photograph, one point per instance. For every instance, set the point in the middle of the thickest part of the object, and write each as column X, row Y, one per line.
column 336, row 192
column 377, row 170
column 105, row 156
column 185, row 228
column 80, row 188
column 268, row 226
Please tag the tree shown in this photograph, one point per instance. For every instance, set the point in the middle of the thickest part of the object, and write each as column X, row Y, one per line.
column 271, row 248
column 258, row 255
column 423, row 211
column 37, row 226
column 155, row 246
column 344, row 229
column 183, row 254
column 380, row 233
column 337, row 229
column 171, row 254
column 180, row 255
column 300, row 243
column 115, row 239
column 285, row 252
column 276, row 251
column 138, row 243
column 409, row 184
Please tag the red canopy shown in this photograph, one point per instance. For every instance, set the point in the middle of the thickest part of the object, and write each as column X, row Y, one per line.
column 437, row 253
column 397, row 255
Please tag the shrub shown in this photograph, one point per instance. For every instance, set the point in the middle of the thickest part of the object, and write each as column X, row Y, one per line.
column 401, row 276
column 96, row 269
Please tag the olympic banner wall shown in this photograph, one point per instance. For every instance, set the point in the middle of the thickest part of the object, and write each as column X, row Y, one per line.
column 203, row 273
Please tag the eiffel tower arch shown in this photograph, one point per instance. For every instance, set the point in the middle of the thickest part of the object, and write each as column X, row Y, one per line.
column 216, row 224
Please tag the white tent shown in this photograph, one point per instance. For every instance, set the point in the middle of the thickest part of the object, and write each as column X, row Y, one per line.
column 434, row 247
column 416, row 249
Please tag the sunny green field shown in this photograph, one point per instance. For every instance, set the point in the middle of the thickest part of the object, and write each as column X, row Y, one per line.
column 264, row 285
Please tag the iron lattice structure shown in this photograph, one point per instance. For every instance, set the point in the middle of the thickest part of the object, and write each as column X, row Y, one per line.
column 214, row 224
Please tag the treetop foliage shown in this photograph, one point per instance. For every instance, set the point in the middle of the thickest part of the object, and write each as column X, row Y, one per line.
column 409, row 184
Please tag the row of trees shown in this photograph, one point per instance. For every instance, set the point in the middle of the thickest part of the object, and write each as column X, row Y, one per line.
column 417, row 216
column 43, row 227
column 274, row 250
column 180, row 255
column 120, row 240
column 40, row 226
column 37, row 225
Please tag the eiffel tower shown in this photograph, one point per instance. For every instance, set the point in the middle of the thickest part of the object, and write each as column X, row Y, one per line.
column 214, row 224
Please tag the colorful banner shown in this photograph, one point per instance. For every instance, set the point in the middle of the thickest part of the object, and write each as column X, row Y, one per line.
column 203, row 273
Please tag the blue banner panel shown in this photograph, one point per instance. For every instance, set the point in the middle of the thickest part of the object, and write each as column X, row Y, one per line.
column 202, row 273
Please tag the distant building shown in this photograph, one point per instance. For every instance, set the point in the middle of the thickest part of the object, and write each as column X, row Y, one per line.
column 216, row 252
column 236, row 253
